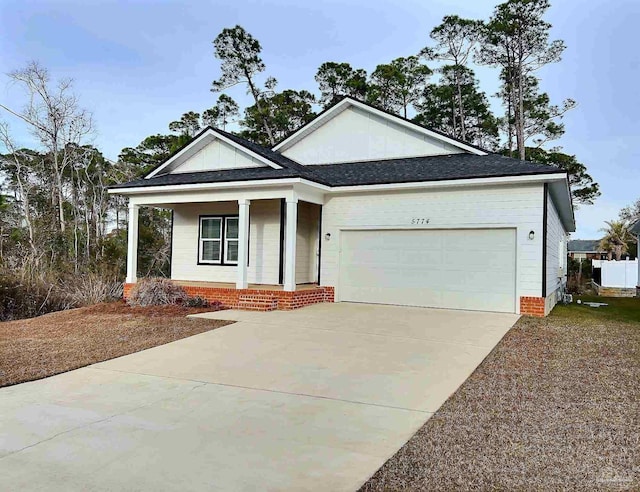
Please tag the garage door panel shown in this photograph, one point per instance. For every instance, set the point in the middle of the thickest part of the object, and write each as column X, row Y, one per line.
column 402, row 296
column 477, row 241
column 482, row 301
column 459, row 269
column 359, row 277
column 470, row 278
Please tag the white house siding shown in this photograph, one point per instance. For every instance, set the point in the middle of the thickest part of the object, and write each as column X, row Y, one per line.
column 217, row 155
column 307, row 243
column 264, row 242
column 556, row 255
column 357, row 135
column 512, row 206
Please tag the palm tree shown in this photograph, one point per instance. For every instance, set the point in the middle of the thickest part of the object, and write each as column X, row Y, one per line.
column 616, row 239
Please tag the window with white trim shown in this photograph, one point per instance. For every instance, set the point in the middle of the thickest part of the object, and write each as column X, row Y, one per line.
column 231, row 240
column 218, row 240
column 210, row 247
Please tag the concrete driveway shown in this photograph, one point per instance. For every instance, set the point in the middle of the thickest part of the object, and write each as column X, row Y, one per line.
column 313, row 399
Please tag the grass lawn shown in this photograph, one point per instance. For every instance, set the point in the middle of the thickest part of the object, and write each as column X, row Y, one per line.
column 555, row 406
column 39, row 347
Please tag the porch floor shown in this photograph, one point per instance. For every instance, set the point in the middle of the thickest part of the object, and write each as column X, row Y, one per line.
column 224, row 285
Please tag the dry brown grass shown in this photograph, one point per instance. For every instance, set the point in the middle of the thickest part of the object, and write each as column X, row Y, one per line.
column 555, row 406
column 39, row 347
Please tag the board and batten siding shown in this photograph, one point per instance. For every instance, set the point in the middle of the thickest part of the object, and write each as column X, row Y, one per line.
column 505, row 206
column 556, row 267
column 264, row 243
column 358, row 135
column 217, row 155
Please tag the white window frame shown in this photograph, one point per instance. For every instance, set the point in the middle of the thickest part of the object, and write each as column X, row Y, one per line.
column 228, row 240
column 202, row 240
column 223, row 255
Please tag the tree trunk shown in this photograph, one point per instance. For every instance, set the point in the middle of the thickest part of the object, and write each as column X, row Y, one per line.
column 256, row 97
column 58, row 183
column 463, row 131
column 520, row 117
column 509, row 123
column 26, row 206
column 453, row 119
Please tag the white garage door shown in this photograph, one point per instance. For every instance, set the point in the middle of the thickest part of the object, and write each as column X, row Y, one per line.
column 458, row 269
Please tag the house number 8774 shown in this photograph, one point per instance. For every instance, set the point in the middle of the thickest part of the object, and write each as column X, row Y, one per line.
column 419, row 221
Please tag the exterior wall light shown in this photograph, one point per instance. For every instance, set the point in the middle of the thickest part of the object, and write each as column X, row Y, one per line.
column 327, row 236
column 532, row 235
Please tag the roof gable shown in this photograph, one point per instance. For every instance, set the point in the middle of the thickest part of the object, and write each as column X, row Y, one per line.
column 213, row 150
column 217, row 156
column 353, row 131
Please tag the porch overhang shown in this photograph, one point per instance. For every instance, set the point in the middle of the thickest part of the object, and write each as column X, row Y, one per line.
column 299, row 188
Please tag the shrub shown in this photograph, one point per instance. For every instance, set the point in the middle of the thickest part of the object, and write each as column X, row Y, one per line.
column 155, row 292
column 216, row 306
column 196, row 301
column 574, row 286
column 26, row 298
column 92, row 289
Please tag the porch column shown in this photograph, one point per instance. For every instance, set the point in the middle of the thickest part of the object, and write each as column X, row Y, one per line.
column 243, row 243
column 132, row 244
column 290, row 245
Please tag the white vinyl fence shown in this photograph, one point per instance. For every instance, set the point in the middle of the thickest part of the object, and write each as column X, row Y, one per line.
column 622, row 274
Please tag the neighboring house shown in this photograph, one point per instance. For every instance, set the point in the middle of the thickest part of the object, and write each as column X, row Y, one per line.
column 581, row 249
column 635, row 229
column 364, row 206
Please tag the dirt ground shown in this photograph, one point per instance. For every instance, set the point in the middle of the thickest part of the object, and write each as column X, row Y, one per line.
column 57, row 342
column 555, row 406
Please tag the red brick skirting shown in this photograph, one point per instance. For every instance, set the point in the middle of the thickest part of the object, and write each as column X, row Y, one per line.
column 257, row 299
column 127, row 290
column 532, row 306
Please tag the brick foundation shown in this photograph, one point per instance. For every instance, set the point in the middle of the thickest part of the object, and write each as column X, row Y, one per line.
column 256, row 299
column 532, row 306
column 126, row 290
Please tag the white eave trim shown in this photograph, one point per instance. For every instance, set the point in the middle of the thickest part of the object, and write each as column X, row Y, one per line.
column 563, row 202
column 256, row 183
column 449, row 183
column 341, row 106
column 343, row 189
column 208, row 133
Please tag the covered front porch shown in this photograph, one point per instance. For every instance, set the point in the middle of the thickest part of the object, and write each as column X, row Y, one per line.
column 255, row 249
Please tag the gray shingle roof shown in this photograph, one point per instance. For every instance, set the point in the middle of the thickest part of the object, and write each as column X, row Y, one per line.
column 431, row 168
column 405, row 170
column 635, row 228
column 584, row 246
column 256, row 173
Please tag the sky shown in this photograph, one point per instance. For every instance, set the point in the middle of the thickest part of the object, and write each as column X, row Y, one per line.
column 139, row 64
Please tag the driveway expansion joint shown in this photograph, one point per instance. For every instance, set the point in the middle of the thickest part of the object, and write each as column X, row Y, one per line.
column 253, row 388
column 99, row 421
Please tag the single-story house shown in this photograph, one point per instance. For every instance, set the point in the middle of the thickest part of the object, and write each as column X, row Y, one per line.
column 359, row 205
column 586, row 249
